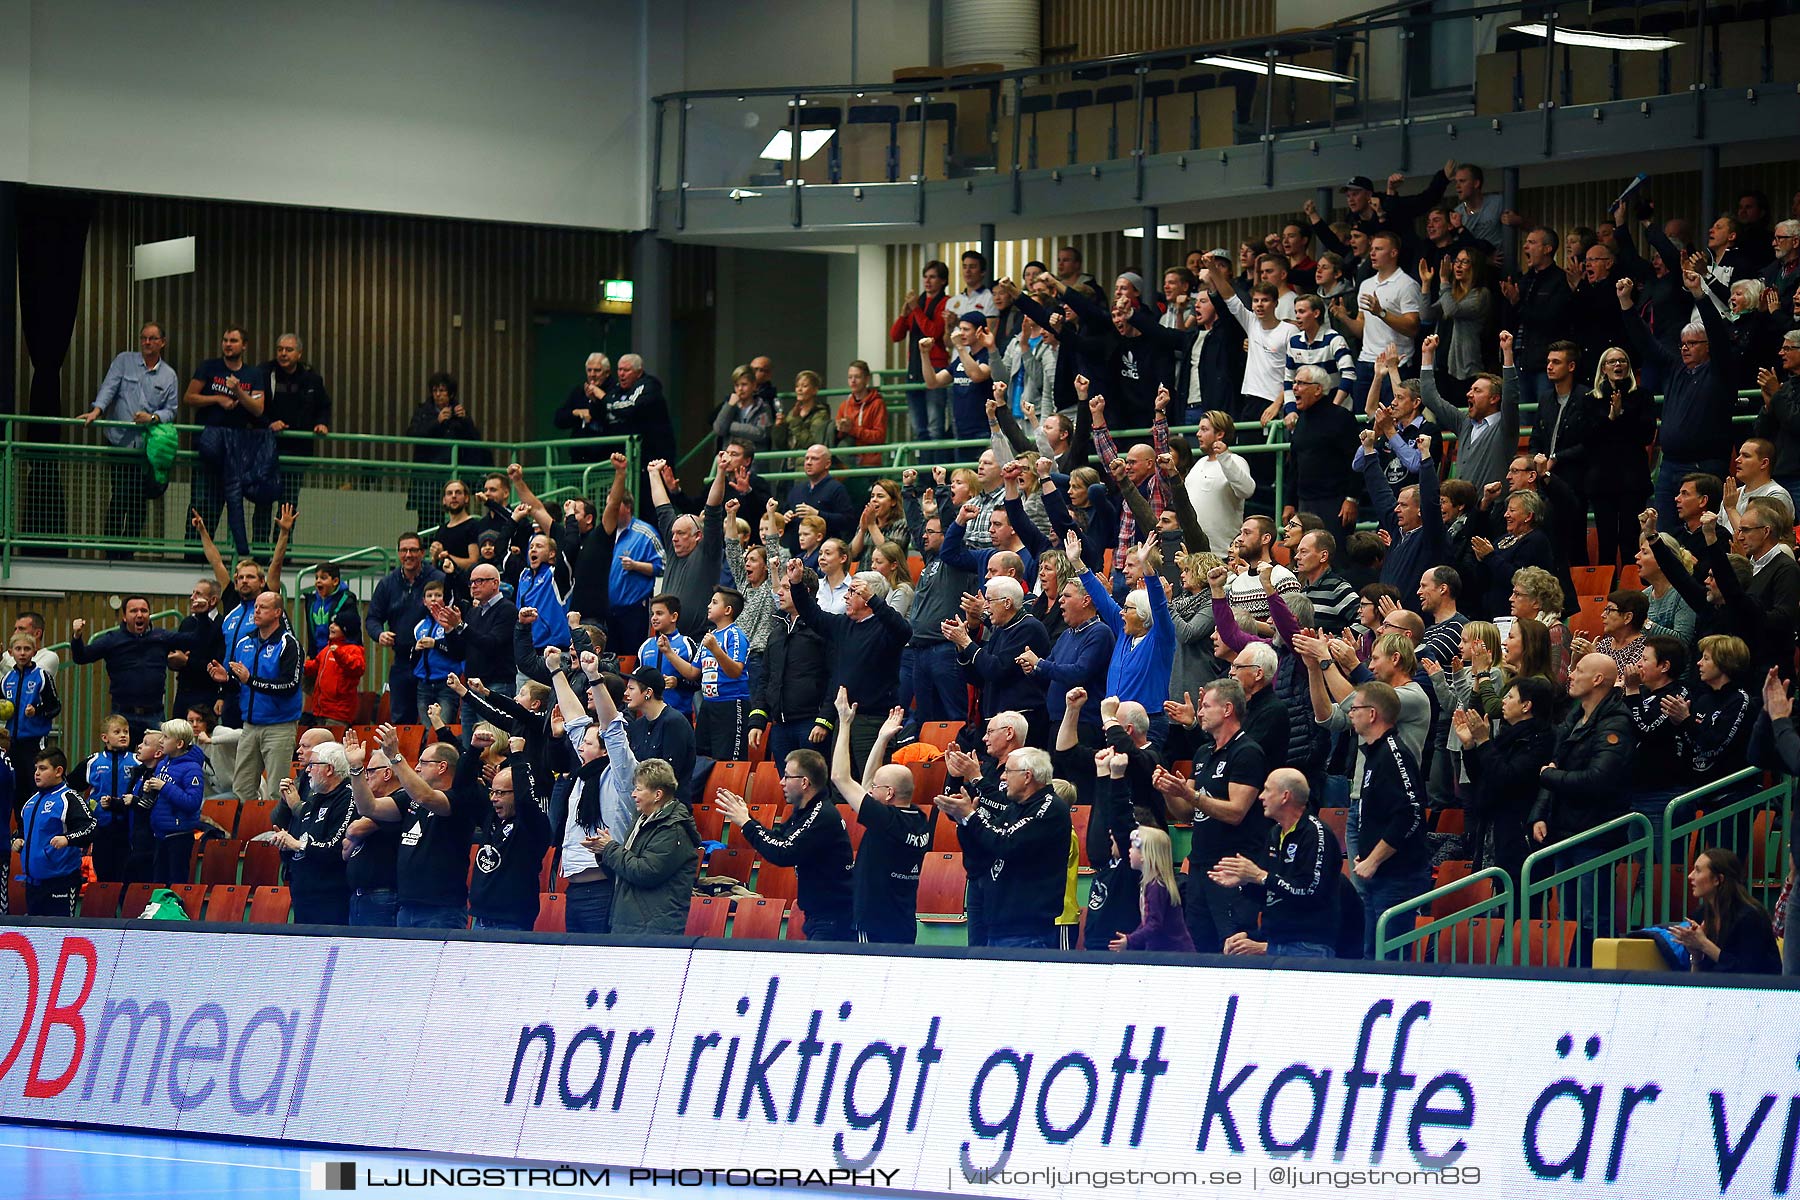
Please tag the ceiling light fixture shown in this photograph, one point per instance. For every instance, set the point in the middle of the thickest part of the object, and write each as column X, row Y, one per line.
column 1599, row 41
column 1250, row 65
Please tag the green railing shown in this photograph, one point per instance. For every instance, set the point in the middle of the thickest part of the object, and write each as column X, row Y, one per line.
column 1601, row 884
column 1478, row 942
column 1752, row 826
column 90, row 496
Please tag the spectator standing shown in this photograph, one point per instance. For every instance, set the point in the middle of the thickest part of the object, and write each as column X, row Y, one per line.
column 596, row 798
column 896, row 833
column 819, row 494
column 512, row 835
column 298, row 402
column 812, row 840
column 443, row 418
column 744, row 416
column 432, row 664
column 335, row 673
column 330, row 604
column 1617, row 423
column 266, row 662
column 637, row 561
column 54, row 827
column 1029, row 843
column 636, row 406
column 1299, row 884
column 1392, row 862
column 142, row 388
column 652, row 865
column 664, row 647
column 1503, row 763
column 1699, row 394
column 1323, row 437
column 787, row 708
column 311, row 828
column 691, row 571
column 228, row 395
column 862, row 415
column 723, row 671
column 1219, row 481
column 35, row 707
column 656, row 729
column 1751, row 478
column 136, row 657
column 1161, row 925
column 583, row 412
column 921, row 326
column 866, row 640
column 395, row 610
column 807, row 421
column 371, row 847
column 483, row 638
column 1389, row 304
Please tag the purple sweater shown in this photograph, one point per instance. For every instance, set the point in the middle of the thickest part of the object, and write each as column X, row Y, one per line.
column 1163, row 927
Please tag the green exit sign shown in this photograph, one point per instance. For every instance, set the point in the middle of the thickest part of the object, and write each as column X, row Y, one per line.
column 615, row 291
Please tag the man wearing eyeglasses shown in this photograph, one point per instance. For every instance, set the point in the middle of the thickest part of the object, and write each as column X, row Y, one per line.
column 1027, row 842
column 1784, row 273
column 1752, row 476
column 142, row 388
column 372, row 847
column 1775, row 584
column 812, row 840
column 896, row 833
column 1699, row 392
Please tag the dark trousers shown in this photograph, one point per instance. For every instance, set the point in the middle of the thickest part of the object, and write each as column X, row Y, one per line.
column 403, row 696
column 788, row 736
column 374, row 907
column 510, row 926
column 216, row 487
column 720, row 729
column 431, row 916
column 23, row 755
column 322, row 908
column 111, row 851
column 1028, row 941
column 829, row 931
column 54, row 897
column 1616, row 527
column 1391, row 886
column 976, row 904
column 589, row 908
column 140, row 717
column 1214, row 912
column 626, row 627
column 173, row 859
column 931, row 680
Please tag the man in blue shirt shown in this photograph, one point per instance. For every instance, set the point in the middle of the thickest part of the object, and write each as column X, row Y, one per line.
column 637, row 561
column 722, row 668
column 145, row 390
column 227, row 394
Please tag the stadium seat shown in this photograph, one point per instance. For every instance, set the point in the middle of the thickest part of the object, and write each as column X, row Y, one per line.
column 15, row 895
column 1592, row 581
column 262, row 865
column 547, row 878
column 731, row 863
column 1451, row 870
column 1629, row 579
column 733, row 777
column 137, row 896
column 765, row 785
column 1079, row 816
column 1337, row 820
column 852, row 826
column 710, row 822
column 706, row 916
column 100, row 900
column 1476, row 940
column 796, row 925
column 777, row 883
column 758, row 919
column 1450, row 820
column 1454, row 902
column 928, row 779
column 412, row 740
column 941, row 734
column 226, row 902
column 192, row 897
column 222, row 811
column 943, row 835
column 257, row 816
column 553, row 908
column 1545, row 943
column 943, row 890
column 219, row 861
column 270, row 906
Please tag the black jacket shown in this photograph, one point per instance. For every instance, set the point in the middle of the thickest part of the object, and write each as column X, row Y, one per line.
column 324, row 818
column 992, row 664
column 792, row 684
column 298, row 400
column 1222, row 360
column 1615, row 460
column 504, row 884
column 1028, row 847
column 814, row 842
column 593, row 427
column 1393, row 804
column 1504, row 771
column 484, row 642
column 136, row 664
column 1543, row 315
column 425, row 424
column 398, row 605
column 865, row 654
column 1591, row 782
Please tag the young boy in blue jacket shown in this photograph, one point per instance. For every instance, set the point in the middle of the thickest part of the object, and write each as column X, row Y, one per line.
column 54, row 826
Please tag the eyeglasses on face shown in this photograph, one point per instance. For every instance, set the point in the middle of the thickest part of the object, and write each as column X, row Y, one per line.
column 1361, row 708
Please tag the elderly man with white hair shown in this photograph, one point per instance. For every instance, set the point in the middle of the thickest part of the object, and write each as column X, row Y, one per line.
column 1027, row 842
column 636, row 406
column 866, row 640
column 992, row 662
column 584, row 412
column 984, row 779
column 311, row 837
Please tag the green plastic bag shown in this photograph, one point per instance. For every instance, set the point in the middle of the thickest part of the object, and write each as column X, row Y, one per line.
column 160, row 443
column 164, row 906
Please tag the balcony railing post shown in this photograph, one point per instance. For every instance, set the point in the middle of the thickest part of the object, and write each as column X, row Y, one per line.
column 794, row 107
column 681, row 179
column 1268, row 129
column 1548, row 101
column 1139, row 151
column 1018, row 182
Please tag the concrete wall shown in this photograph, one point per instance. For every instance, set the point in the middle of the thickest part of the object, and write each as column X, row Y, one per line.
column 529, row 111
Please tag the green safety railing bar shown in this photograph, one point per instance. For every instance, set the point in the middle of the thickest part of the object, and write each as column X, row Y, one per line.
column 1504, row 898
column 1676, row 833
column 1640, row 842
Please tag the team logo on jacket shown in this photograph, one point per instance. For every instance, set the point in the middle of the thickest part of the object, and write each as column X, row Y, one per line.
column 1293, row 851
column 487, row 860
column 995, row 871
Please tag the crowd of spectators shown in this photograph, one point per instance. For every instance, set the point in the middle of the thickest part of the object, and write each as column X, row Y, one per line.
column 1137, row 626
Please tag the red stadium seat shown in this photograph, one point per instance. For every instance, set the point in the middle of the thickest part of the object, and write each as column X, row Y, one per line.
column 222, row 811
column 730, row 862
column 1476, row 940
column 227, row 902
column 552, row 914
column 1592, row 581
column 257, row 816
column 137, row 896
column 547, row 874
column 192, row 897
column 765, row 785
column 928, row 780
column 270, row 906
column 1079, row 816
column 1545, row 943
column 732, row 776
column 100, row 900
column 1463, row 897
column 1337, row 820
column 943, row 835
column 941, row 734
column 759, row 919
column 711, row 823
column 777, row 883
column 706, row 916
column 852, row 826
column 15, row 896
column 943, row 890
column 262, row 865
column 219, row 861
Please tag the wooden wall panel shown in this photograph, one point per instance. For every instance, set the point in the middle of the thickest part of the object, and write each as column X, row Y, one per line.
column 1081, row 29
column 373, row 297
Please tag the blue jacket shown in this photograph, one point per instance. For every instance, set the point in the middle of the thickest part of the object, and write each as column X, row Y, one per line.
column 271, row 696
column 434, row 665
column 107, row 773
column 1080, row 656
column 50, row 813
column 29, row 688
column 1411, row 553
column 955, row 553
column 1139, row 672
column 538, row 589
column 177, row 808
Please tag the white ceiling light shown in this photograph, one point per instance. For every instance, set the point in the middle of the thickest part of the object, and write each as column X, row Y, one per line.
column 781, row 146
column 1599, row 41
column 1165, row 233
column 1288, row 69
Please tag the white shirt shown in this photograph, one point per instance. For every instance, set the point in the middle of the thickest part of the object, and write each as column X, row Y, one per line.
column 47, row 662
column 1218, row 488
column 1194, row 397
column 1284, row 305
column 981, row 300
column 1398, row 293
column 1770, row 489
column 1266, row 369
column 830, row 598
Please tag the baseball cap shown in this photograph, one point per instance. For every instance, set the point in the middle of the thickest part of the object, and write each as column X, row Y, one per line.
column 650, row 679
column 1359, row 181
column 1219, row 254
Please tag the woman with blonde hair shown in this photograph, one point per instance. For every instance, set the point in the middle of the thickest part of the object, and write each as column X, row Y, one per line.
column 1537, row 594
column 1161, row 925
column 888, row 560
column 806, row 422
column 1617, row 422
column 1525, row 652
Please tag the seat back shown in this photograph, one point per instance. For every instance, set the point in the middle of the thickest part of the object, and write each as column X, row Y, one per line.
column 137, row 895
column 261, row 866
column 222, row 811
column 852, row 826
column 256, row 816
column 227, row 902
column 943, row 887
column 731, row 862
column 706, row 916
column 758, row 918
column 192, row 897
column 219, row 862
column 270, row 906
column 941, row 734
column 100, row 900
column 777, row 883
column 1545, row 943
column 732, row 776
column 552, row 916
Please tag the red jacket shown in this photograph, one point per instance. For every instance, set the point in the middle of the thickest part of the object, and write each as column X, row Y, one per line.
column 335, row 672
column 926, row 320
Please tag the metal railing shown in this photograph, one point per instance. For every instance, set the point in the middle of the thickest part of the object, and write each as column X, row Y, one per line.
column 1750, row 825
column 1473, row 943
column 1592, row 891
